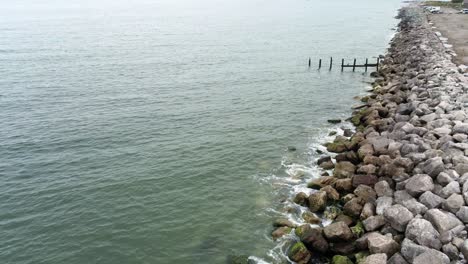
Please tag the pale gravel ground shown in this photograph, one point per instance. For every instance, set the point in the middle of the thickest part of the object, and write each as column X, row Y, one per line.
column 453, row 26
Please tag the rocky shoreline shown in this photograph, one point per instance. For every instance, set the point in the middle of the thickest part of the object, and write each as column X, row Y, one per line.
column 396, row 191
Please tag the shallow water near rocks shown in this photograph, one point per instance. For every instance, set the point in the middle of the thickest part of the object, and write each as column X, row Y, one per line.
column 157, row 131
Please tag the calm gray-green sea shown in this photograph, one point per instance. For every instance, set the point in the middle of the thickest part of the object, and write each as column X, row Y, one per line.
column 157, row 131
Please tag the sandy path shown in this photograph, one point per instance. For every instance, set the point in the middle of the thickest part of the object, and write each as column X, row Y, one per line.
column 453, row 26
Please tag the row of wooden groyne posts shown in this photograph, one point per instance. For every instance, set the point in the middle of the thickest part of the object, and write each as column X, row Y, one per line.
column 354, row 65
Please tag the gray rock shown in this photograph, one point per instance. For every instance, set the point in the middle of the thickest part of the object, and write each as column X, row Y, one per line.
column 462, row 214
column 376, row 259
column 414, row 206
column 410, row 250
column 397, row 258
column 441, row 220
column 422, row 232
column 450, row 189
column 382, row 244
column 431, row 257
column 430, row 200
column 453, row 203
column 382, row 188
column 373, row 223
column 382, row 204
column 464, row 249
column 419, row 184
column 460, row 128
column 398, row 217
column 401, row 196
column 462, row 168
column 451, row 251
column 460, row 137
column 444, row 178
column 433, row 166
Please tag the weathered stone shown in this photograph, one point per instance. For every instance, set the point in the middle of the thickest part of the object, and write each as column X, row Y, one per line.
column 365, row 150
column 337, row 232
column 301, row 199
column 401, row 196
column 321, row 182
column 433, row 166
column 430, row 200
column 344, row 169
column 344, row 185
column 283, row 222
column 410, row 250
column 343, row 248
column 451, row 251
column 464, row 249
column 450, row 189
column 461, row 168
column 366, row 193
column 431, row 257
column 299, row 253
column 353, row 207
column 312, row 238
column 441, row 220
column 369, row 180
column 317, row 201
column 332, row 194
column 422, row 232
column 444, row 178
column 367, row 169
column 414, row 206
column 398, row 217
column 382, row 244
column 462, row 214
column 382, row 188
column 311, row 218
column 280, row 231
column 397, row 258
column 367, row 211
column 419, row 184
column 382, row 204
column 376, row 259
column 461, row 128
column 344, row 218
column 453, row 203
column 373, row 223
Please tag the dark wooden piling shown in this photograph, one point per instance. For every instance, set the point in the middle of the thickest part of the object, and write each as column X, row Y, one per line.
column 366, row 65
column 320, row 64
column 342, row 64
column 309, row 62
column 354, row 64
column 377, row 66
column 331, row 63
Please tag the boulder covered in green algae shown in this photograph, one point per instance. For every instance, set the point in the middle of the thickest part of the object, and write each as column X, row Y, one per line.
column 358, row 230
column 338, row 259
column 361, row 257
column 299, row 253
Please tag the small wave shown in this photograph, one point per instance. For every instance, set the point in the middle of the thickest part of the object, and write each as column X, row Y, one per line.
column 292, row 179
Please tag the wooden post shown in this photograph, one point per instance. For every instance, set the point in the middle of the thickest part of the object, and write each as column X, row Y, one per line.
column 342, row 64
column 378, row 61
column 366, row 65
column 320, row 64
column 309, row 62
column 331, row 63
column 354, row 64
